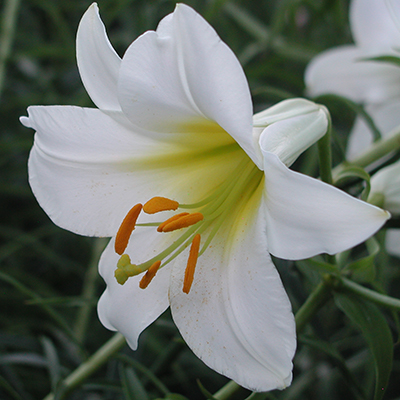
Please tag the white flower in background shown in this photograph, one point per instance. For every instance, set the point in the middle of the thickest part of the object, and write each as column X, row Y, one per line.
column 385, row 190
column 344, row 70
column 174, row 121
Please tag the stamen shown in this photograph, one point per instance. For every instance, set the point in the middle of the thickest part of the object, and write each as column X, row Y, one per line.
column 175, row 217
column 183, row 222
column 157, row 204
column 149, row 275
column 126, row 229
column 191, row 264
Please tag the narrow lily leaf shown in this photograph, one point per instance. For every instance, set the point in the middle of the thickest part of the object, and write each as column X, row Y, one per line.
column 338, row 361
column 208, row 395
column 318, row 265
column 363, row 270
column 175, row 396
column 351, row 172
column 355, row 107
column 376, row 333
column 53, row 363
column 9, row 389
column 132, row 387
column 388, row 59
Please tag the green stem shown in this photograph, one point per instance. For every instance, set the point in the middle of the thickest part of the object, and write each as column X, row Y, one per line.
column 91, row 365
column 89, row 288
column 227, row 391
column 378, row 298
column 376, row 151
column 325, row 156
column 315, row 301
column 9, row 22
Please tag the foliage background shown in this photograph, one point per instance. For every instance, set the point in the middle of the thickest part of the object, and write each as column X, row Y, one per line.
column 48, row 277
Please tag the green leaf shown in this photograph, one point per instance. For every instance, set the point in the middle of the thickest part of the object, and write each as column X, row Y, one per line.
column 355, row 107
column 363, row 270
column 337, row 360
column 53, row 363
column 208, row 395
column 132, row 387
column 388, row 59
column 376, row 333
column 350, row 173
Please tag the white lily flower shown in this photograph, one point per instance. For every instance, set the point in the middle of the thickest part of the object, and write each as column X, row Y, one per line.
column 344, row 70
column 385, row 190
column 174, row 121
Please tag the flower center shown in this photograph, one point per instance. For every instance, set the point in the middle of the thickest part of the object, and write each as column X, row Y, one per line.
column 198, row 227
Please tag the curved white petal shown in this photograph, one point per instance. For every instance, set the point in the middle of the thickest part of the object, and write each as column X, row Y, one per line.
column 385, row 116
column 181, row 73
column 128, row 308
column 290, row 137
column 98, row 62
column 394, row 9
column 393, row 242
column 237, row 317
column 372, row 25
column 306, row 217
column 387, row 182
column 343, row 71
column 87, row 168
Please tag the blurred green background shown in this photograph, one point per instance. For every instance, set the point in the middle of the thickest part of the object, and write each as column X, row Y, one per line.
column 48, row 277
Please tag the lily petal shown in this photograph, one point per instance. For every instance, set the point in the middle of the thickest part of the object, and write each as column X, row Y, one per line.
column 288, row 138
column 88, row 168
column 237, row 317
column 393, row 242
column 344, row 71
column 306, row 217
column 98, row 62
column 183, row 72
column 386, row 117
column 372, row 25
column 128, row 308
column 387, row 182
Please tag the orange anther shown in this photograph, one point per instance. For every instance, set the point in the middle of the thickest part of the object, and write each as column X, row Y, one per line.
column 149, row 275
column 191, row 264
column 183, row 222
column 157, row 204
column 174, row 218
column 126, row 229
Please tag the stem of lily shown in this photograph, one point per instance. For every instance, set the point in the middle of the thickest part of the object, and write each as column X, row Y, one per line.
column 319, row 296
column 371, row 295
column 376, row 151
column 91, row 365
column 9, row 22
column 88, row 291
column 226, row 391
column 325, row 155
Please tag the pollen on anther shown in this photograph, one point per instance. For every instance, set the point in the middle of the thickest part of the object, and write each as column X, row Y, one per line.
column 158, row 204
column 126, row 229
column 149, row 275
column 183, row 222
column 191, row 264
column 173, row 218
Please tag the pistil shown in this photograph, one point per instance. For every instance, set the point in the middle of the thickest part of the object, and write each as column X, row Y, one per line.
column 214, row 211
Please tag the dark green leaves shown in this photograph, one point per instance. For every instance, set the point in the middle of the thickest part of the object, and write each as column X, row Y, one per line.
column 376, row 332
